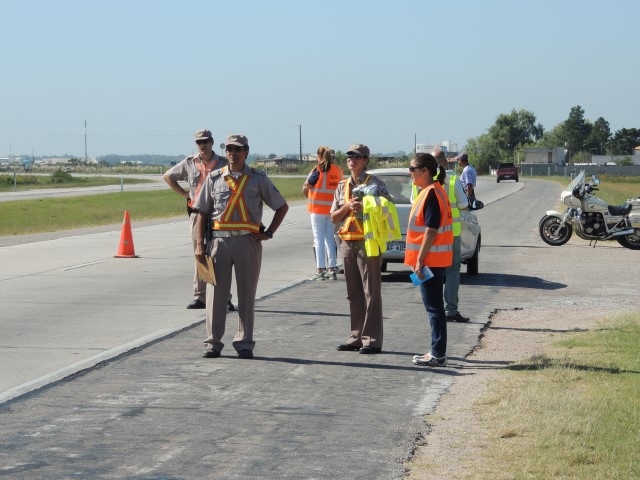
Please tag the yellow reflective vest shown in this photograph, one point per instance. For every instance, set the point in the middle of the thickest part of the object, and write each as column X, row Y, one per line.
column 381, row 225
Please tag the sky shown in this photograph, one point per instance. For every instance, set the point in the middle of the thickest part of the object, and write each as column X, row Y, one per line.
column 145, row 75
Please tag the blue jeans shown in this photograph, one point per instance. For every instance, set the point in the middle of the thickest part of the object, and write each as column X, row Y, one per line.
column 452, row 283
column 433, row 300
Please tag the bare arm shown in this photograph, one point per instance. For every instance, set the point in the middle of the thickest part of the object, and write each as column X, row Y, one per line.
column 175, row 186
column 201, row 229
column 276, row 221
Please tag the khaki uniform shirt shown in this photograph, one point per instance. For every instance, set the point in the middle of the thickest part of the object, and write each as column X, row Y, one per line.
column 215, row 193
column 187, row 170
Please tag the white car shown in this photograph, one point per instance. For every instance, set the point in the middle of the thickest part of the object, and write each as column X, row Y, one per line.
column 398, row 184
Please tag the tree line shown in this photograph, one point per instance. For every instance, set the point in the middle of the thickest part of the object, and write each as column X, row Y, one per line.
column 518, row 130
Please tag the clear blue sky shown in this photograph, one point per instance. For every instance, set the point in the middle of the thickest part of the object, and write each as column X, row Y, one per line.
column 145, row 75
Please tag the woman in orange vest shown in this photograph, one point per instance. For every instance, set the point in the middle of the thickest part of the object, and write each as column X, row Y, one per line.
column 430, row 243
column 319, row 188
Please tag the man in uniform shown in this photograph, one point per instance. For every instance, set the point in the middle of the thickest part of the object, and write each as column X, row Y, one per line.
column 362, row 273
column 230, row 215
column 458, row 200
column 194, row 169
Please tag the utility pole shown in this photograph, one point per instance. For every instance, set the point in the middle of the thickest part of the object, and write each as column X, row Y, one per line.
column 85, row 142
column 300, row 135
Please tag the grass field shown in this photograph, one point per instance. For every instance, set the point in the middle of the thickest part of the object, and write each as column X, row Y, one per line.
column 59, row 179
column 572, row 413
column 54, row 214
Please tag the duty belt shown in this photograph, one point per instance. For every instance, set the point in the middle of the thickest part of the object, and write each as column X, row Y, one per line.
column 229, row 233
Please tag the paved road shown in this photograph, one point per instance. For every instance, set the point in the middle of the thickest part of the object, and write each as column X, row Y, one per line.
column 301, row 409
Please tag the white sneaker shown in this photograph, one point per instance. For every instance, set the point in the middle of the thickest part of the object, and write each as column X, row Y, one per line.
column 428, row 360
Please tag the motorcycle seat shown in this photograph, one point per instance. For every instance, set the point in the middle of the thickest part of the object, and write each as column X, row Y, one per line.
column 617, row 210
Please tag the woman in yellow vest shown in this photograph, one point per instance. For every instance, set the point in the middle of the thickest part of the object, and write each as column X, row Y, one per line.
column 430, row 243
column 319, row 188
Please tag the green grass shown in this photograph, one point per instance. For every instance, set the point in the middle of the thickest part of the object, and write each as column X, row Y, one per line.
column 55, row 214
column 613, row 190
column 573, row 413
column 59, row 180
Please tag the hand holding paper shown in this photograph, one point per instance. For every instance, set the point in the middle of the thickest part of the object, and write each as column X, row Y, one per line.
column 206, row 271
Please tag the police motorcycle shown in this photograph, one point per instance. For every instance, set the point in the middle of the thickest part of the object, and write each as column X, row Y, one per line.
column 591, row 217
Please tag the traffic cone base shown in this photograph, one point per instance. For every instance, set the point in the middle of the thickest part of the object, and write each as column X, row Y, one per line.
column 126, row 249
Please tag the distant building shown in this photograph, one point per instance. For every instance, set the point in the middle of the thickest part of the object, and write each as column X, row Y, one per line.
column 446, row 146
column 551, row 155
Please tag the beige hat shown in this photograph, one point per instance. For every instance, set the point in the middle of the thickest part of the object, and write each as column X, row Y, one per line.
column 204, row 135
column 239, row 140
column 358, row 149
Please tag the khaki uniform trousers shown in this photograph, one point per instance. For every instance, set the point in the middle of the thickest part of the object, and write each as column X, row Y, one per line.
column 245, row 257
column 199, row 287
column 364, row 292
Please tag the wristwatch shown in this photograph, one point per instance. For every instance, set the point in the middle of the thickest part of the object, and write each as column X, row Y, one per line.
column 268, row 233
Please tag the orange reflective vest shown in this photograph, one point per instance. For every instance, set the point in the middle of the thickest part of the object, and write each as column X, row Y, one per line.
column 441, row 252
column 237, row 204
column 321, row 195
column 351, row 228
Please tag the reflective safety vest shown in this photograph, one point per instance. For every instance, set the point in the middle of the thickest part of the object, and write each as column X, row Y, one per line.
column 321, row 195
column 381, row 224
column 455, row 211
column 237, row 204
column 440, row 253
column 453, row 201
column 351, row 228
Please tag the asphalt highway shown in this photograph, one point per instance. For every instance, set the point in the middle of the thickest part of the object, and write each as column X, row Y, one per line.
column 102, row 374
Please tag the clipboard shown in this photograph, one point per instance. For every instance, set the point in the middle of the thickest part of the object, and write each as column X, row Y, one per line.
column 206, row 272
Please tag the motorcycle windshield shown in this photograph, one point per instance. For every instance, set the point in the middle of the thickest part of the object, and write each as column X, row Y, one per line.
column 579, row 180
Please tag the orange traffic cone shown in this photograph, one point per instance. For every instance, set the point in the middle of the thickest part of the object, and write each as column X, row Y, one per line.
column 126, row 250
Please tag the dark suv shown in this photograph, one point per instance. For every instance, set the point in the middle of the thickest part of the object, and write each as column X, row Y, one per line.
column 507, row 171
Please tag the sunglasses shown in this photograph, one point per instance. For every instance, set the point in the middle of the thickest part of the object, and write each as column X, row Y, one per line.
column 413, row 169
column 355, row 157
column 233, row 148
column 202, row 142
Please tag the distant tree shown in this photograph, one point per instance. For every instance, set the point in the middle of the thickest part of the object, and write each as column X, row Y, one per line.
column 514, row 130
column 624, row 162
column 600, row 135
column 509, row 132
column 484, row 153
column 624, row 141
column 576, row 131
column 272, row 156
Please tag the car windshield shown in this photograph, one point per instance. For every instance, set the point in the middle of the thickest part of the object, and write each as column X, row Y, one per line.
column 399, row 187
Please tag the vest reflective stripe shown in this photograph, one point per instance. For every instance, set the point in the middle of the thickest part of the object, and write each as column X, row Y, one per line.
column 237, row 204
column 455, row 211
column 440, row 254
column 321, row 195
column 381, row 224
column 351, row 228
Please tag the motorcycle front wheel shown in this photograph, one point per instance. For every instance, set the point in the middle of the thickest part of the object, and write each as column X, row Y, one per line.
column 553, row 233
column 631, row 241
